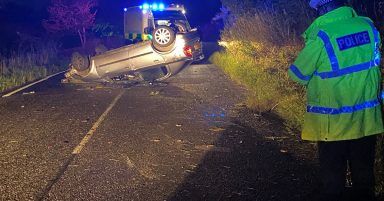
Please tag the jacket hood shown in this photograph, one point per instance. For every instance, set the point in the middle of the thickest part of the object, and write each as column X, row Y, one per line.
column 338, row 14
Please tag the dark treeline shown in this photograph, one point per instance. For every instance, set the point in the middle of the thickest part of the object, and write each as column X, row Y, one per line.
column 371, row 8
column 288, row 19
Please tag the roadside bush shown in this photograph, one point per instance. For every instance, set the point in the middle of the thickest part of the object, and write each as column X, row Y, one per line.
column 275, row 22
column 27, row 64
column 262, row 73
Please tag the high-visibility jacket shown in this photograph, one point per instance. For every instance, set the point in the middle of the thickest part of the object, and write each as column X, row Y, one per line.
column 339, row 65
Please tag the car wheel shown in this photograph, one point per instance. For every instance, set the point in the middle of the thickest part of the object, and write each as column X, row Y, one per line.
column 79, row 62
column 163, row 38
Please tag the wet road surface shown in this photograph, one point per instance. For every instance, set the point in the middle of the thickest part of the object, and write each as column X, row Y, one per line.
column 180, row 140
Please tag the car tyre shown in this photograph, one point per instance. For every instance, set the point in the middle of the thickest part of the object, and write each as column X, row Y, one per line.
column 164, row 38
column 79, row 62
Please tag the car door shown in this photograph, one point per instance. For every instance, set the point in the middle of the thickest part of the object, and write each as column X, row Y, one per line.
column 145, row 57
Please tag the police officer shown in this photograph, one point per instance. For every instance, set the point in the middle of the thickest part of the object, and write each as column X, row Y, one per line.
column 339, row 66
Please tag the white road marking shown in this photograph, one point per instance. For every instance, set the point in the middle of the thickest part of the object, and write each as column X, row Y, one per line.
column 29, row 85
column 90, row 133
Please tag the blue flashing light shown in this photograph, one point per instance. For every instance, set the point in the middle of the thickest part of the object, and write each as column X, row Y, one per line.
column 155, row 6
column 146, row 6
column 125, row 9
column 161, row 6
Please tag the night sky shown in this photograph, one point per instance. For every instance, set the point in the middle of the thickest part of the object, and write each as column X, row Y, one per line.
column 31, row 12
column 199, row 12
column 26, row 16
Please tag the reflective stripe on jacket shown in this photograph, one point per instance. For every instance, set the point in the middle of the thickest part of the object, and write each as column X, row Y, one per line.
column 340, row 67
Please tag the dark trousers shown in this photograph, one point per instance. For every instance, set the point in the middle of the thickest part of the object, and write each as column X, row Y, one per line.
column 360, row 155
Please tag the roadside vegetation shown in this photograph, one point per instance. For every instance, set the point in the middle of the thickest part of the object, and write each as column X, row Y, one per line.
column 27, row 64
column 261, row 43
column 39, row 51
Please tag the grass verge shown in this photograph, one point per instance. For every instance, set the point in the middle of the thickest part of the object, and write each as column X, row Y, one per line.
column 24, row 66
column 263, row 71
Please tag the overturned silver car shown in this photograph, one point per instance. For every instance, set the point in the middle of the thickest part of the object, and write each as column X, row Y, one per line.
column 160, row 38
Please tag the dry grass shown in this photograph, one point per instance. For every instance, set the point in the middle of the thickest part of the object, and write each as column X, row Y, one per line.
column 275, row 22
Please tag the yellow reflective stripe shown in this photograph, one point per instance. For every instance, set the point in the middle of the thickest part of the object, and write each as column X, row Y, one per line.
column 133, row 36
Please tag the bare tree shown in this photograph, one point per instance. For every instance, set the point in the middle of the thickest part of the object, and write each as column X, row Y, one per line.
column 74, row 16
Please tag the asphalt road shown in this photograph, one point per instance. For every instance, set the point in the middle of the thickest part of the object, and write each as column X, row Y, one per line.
column 179, row 140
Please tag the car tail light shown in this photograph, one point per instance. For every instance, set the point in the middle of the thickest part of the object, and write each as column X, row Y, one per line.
column 188, row 51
